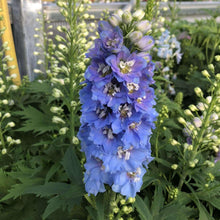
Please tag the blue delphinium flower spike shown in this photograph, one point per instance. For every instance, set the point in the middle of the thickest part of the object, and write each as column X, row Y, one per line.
column 117, row 112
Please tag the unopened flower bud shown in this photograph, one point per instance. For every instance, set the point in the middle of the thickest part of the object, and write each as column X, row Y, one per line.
column 126, row 17
column 75, row 140
column 192, row 164
column 116, row 210
column 56, row 110
column 217, row 58
column 7, row 115
column 57, row 93
column 10, row 124
column 138, row 15
column 216, row 149
column 122, row 201
column 5, row 101
column 57, row 120
column 205, row 73
column 198, row 92
column 143, row 26
column 174, row 166
column 115, row 20
column 119, row 12
column 209, row 99
column 131, row 200
column 211, row 67
column 135, row 36
column 197, row 122
column 17, row 141
column 145, row 43
column 188, row 113
column 217, row 76
column 9, row 139
column 174, row 142
column 63, row 130
column 182, row 121
column 4, row 151
column 193, row 108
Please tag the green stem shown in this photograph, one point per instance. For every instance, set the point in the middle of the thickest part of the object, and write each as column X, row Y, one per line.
column 1, row 136
column 111, row 200
column 182, row 180
column 156, row 145
column 206, row 121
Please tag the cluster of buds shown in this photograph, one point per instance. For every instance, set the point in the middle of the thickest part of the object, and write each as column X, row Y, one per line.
column 5, row 125
column 7, row 90
column 138, row 29
column 202, row 128
column 122, row 208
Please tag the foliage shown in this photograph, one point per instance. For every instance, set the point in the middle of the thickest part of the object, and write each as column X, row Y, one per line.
column 41, row 165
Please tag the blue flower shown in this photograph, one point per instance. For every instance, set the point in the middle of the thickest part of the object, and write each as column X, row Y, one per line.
column 112, row 39
column 128, row 183
column 117, row 113
column 169, row 47
column 95, row 176
column 126, row 67
column 145, row 43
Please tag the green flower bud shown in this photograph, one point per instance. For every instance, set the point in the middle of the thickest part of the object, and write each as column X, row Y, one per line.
column 57, row 120
column 115, row 20
column 211, row 67
column 198, row 92
column 205, row 73
column 188, row 113
column 135, row 36
column 123, row 201
column 75, row 140
column 174, row 166
column 193, row 108
column 4, row 151
column 131, row 200
column 126, row 17
column 174, row 142
column 192, row 164
column 63, row 130
column 217, row 58
column 10, row 124
column 182, row 121
column 138, row 15
column 143, row 26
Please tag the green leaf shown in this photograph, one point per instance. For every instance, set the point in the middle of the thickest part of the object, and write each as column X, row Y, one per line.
column 142, row 209
column 20, row 189
column 52, row 171
column 158, row 201
column 72, row 166
column 100, row 207
column 164, row 162
column 147, row 180
column 66, row 196
column 37, row 121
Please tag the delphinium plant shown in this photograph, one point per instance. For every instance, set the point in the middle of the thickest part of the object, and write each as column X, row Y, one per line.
column 185, row 171
column 117, row 106
column 7, row 93
column 168, row 51
column 49, row 121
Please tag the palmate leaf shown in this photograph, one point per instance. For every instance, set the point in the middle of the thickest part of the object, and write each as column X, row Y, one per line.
column 65, row 200
column 20, row 189
column 35, row 120
column 72, row 166
column 143, row 209
column 158, row 201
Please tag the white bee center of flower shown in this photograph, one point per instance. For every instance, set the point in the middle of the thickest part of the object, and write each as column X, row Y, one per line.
column 132, row 87
column 126, row 67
